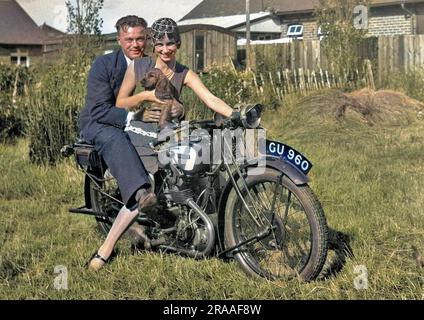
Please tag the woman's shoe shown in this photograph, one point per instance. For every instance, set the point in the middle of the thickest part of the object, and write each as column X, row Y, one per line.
column 97, row 262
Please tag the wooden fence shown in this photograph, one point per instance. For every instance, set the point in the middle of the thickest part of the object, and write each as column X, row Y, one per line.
column 399, row 54
column 387, row 55
column 301, row 81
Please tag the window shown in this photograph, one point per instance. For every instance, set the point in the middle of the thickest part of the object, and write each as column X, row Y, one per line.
column 199, row 52
column 295, row 30
column 264, row 37
column 20, row 58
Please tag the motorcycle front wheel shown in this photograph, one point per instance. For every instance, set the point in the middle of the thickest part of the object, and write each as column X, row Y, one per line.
column 289, row 242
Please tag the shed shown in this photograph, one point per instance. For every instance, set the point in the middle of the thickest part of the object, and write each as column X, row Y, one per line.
column 203, row 46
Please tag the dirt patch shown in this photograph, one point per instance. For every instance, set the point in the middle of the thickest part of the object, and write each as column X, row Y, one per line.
column 372, row 107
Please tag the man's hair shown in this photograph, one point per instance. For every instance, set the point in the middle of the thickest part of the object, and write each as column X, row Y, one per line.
column 130, row 21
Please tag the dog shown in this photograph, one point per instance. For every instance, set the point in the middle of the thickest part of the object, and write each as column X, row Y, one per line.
column 156, row 80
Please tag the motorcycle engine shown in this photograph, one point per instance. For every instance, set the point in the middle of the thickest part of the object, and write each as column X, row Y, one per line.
column 189, row 231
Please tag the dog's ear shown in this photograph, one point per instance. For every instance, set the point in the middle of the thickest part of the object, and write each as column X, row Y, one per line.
column 143, row 82
column 162, row 89
column 173, row 90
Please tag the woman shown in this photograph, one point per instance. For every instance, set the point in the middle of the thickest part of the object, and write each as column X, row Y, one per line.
column 166, row 40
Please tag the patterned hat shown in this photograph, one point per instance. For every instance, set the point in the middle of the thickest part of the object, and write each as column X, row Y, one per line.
column 165, row 26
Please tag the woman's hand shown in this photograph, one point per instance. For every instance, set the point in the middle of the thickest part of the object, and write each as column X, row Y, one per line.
column 177, row 110
column 151, row 97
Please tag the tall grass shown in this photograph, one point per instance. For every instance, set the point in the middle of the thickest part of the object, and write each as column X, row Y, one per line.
column 411, row 83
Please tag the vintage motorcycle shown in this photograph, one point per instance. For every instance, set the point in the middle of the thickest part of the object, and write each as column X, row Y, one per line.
column 260, row 212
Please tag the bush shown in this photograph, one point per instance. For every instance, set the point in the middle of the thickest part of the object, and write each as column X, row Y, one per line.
column 54, row 106
column 230, row 85
column 14, row 81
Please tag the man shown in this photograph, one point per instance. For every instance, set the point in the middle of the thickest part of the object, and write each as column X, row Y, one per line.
column 102, row 123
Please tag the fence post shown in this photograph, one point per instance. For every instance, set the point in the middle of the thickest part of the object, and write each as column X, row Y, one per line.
column 15, row 86
column 369, row 74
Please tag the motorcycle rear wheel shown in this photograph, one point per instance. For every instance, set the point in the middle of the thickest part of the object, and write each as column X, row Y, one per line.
column 102, row 203
column 297, row 243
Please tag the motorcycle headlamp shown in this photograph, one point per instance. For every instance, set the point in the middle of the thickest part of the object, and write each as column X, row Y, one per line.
column 251, row 116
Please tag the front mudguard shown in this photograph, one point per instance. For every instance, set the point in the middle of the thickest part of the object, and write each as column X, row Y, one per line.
column 294, row 174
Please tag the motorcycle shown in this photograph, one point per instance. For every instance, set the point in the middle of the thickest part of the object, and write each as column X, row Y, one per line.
column 261, row 212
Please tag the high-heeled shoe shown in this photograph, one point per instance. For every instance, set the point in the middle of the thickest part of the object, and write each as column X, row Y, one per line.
column 97, row 262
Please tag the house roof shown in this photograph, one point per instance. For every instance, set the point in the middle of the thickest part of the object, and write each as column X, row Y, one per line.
column 50, row 31
column 222, row 8
column 16, row 25
column 214, row 8
column 225, row 21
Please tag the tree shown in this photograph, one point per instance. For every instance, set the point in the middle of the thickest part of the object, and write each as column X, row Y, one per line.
column 83, row 17
column 343, row 26
column 84, row 24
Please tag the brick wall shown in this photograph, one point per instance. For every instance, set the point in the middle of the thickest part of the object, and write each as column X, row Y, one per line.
column 383, row 21
column 34, row 53
column 310, row 30
column 390, row 25
column 4, row 59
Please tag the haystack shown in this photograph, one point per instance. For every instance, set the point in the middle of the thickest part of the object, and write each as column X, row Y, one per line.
column 371, row 107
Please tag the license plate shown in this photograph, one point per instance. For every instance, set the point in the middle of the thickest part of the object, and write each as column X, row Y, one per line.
column 288, row 154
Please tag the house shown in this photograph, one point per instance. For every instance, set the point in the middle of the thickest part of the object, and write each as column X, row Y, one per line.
column 21, row 40
column 272, row 19
column 231, row 15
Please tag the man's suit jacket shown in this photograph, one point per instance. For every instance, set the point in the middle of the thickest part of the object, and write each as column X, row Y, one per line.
column 104, row 80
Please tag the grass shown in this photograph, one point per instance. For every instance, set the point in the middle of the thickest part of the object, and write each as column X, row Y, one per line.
column 368, row 178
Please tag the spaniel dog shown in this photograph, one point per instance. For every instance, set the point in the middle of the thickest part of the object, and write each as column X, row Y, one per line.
column 156, row 80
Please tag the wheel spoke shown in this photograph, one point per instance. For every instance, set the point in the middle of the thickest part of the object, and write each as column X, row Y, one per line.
column 287, row 249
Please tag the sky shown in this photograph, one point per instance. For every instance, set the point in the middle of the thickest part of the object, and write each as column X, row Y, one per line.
column 54, row 12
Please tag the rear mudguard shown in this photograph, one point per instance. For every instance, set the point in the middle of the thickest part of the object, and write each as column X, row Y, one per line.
column 294, row 174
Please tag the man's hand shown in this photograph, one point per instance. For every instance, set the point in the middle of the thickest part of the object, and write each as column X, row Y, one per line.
column 152, row 115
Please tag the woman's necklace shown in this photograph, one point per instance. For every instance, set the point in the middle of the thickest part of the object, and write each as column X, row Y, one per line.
column 169, row 72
